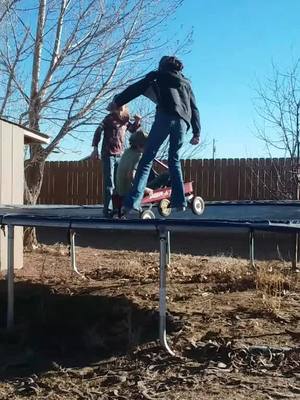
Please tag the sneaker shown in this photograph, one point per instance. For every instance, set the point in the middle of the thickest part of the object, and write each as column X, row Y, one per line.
column 108, row 214
column 125, row 212
column 179, row 209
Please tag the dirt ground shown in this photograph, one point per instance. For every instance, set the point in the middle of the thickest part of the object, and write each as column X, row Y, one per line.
column 235, row 331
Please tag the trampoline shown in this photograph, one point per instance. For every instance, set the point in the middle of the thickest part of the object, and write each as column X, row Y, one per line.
column 87, row 217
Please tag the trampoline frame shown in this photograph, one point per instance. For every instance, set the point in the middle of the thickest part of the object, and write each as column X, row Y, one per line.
column 162, row 226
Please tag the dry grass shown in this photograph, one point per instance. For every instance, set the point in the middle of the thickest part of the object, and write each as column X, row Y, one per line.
column 215, row 298
column 272, row 284
column 58, row 249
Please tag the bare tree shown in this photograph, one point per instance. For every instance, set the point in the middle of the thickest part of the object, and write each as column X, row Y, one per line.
column 278, row 106
column 5, row 7
column 61, row 60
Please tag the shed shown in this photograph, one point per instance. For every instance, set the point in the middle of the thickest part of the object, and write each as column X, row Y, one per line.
column 13, row 137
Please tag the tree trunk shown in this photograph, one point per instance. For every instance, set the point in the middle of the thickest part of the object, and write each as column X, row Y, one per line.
column 34, row 172
column 34, row 167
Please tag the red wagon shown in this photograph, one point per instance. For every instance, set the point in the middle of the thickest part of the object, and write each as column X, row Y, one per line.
column 161, row 199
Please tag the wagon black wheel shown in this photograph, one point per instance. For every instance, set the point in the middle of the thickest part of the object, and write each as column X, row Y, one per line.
column 147, row 214
column 198, row 205
column 164, row 208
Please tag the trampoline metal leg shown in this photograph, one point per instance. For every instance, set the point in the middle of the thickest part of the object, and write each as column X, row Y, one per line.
column 295, row 252
column 73, row 253
column 251, row 249
column 10, row 276
column 168, row 236
column 164, row 251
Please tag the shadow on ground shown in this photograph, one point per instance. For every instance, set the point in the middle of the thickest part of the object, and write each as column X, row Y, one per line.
column 68, row 330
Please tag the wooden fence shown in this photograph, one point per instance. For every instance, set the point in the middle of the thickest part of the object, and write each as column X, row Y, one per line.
column 80, row 182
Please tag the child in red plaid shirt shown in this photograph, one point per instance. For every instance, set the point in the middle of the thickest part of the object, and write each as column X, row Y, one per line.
column 113, row 129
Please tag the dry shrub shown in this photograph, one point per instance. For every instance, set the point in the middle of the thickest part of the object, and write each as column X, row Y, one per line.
column 271, row 285
column 57, row 249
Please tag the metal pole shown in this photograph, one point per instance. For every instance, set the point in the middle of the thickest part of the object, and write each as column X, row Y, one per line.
column 214, row 149
column 296, row 252
column 168, row 248
column 296, row 239
column 163, row 258
column 72, row 234
column 251, row 249
column 10, row 276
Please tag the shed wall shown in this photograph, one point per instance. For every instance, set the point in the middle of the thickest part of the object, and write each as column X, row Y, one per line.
column 11, row 183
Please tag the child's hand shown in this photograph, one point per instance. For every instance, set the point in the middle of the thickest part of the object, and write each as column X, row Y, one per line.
column 195, row 140
column 148, row 191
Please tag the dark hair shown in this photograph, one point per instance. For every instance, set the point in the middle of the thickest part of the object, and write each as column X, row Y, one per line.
column 170, row 63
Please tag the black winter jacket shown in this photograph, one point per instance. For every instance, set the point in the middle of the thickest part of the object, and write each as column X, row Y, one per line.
column 172, row 93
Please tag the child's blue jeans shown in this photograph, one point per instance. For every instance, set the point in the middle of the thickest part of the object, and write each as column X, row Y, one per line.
column 164, row 125
column 109, row 165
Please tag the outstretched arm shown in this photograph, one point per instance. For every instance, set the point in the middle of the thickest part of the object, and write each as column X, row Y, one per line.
column 136, row 89
column 96, row 140
column 195, row 121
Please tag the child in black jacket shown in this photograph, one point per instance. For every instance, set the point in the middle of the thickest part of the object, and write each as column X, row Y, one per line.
column 176, row 112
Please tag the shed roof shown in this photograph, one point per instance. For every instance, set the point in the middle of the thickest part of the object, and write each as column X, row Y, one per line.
column 30, row 135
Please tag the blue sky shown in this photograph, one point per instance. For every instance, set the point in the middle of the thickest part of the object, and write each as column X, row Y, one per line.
column 235, row 43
